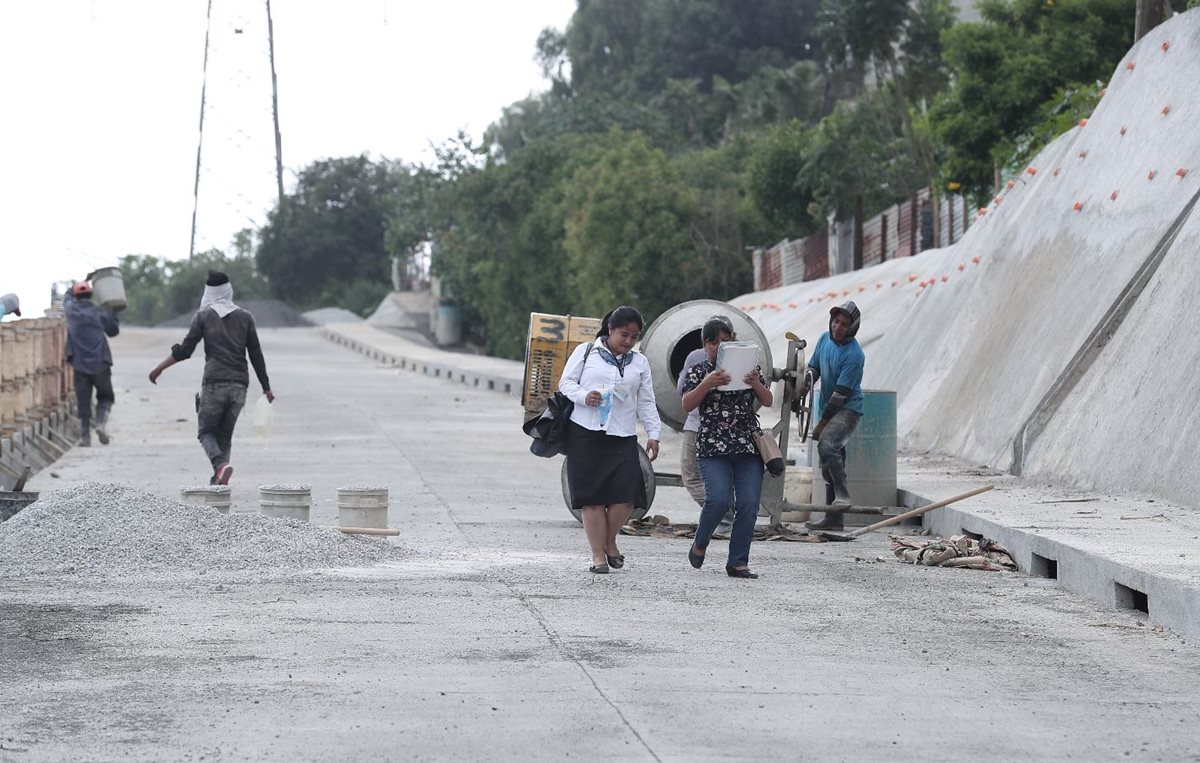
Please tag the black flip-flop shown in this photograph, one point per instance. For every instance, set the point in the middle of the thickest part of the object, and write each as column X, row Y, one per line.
column 616, row 562
column 599, row 569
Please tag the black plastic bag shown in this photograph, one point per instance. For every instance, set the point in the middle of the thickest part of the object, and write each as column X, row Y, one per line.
column 549, row 431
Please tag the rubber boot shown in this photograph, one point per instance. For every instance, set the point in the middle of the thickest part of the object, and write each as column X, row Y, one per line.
column 830, row 521
column 102, row 421
column 85, row 432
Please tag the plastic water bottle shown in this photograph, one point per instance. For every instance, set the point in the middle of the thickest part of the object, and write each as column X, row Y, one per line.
column 262, row 417
column 606, row 404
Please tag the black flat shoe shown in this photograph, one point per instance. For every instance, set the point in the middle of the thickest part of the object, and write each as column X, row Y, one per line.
column 616, row 562
column 697, row 560
column 599, row 569
column 736, row 572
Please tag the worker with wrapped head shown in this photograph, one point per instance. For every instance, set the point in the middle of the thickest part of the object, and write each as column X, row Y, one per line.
column 88, row 327
column 229, row 336
column 837, row 362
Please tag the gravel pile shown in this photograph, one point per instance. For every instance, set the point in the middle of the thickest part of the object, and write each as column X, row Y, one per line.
column 326, row 315
column 268, row 314
column 102, row 529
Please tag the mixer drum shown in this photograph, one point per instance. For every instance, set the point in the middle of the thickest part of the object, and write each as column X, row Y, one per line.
column 669, row 340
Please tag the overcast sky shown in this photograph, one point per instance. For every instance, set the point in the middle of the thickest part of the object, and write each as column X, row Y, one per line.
column 101, row 104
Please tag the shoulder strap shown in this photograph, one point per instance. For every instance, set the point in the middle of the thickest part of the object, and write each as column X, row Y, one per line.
column 586, row 352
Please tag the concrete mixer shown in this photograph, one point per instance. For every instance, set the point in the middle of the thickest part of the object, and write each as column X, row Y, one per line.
column 676, row 333
column 666, row 344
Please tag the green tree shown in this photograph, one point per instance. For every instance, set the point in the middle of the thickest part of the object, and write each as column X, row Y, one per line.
column 893, row 45
column 158, row 290
column 145, row 280
column 626, row 221
column 497, row 231
column 724, row 219
column 184, row 285
column 331, row 230
column 779, row 183
column 1023, row 54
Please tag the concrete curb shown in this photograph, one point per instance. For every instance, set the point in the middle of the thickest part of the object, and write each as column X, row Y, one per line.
column 36, row 445
column 1112, row 584
column 472, row 370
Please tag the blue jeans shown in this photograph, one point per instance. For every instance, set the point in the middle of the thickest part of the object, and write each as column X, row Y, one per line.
column 735, row 481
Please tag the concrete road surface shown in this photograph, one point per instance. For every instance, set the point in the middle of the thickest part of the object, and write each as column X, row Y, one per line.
column 490, row 640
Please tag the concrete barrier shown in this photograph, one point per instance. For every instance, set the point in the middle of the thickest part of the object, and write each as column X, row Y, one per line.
column 36, row 396
column 478, row 371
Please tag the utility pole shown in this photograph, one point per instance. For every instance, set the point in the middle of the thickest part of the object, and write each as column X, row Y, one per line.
column 275, row 112
column 203, row 107
column 1149, row 14
column 200, row 141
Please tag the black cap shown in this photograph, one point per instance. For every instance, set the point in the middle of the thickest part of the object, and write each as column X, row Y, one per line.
column 216, row 278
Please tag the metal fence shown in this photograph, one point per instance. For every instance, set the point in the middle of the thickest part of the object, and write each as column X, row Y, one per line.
column 901, row 230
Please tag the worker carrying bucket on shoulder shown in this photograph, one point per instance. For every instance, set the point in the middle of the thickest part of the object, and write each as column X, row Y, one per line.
column 837, row 362
column 89, row 326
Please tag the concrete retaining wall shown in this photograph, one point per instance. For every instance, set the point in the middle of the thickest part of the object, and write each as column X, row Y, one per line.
column 973, row 337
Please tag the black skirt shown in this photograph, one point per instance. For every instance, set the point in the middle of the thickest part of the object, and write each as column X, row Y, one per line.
column 603, row 470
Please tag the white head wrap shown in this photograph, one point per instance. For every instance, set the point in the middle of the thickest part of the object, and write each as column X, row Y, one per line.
column 219, row 298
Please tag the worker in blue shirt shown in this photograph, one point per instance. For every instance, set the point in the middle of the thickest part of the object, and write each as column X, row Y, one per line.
column 837, row 362
column 88, row 327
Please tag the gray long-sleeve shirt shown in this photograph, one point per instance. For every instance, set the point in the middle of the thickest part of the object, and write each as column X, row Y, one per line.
column 227, row 342
column 692, row 424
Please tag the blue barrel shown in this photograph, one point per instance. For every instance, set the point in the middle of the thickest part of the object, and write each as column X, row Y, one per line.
column 447, row 325
column 870, row 455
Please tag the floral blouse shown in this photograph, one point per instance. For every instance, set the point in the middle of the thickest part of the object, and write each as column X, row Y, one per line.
column 728, row 421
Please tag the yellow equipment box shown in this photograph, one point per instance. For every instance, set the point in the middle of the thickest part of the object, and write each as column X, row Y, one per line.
column 551, row 340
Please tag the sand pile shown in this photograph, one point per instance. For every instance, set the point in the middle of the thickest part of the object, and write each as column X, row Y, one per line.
column 104, row 529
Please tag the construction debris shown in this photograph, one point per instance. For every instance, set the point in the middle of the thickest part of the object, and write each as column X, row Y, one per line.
column 958, row 551
column 659, row 526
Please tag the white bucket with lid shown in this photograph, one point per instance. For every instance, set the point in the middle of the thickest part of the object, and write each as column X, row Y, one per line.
column 362, row 506
column 108, row 288
column 285, row 501
column 216, row 496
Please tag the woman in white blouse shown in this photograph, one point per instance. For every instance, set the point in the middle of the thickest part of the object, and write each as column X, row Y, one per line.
column 610, row 384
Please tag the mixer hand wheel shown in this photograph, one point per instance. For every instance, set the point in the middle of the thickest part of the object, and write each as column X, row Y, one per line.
column 802, row 406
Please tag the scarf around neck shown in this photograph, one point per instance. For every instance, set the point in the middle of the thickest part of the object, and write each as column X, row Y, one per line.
column 219, row 298
column 620, row 361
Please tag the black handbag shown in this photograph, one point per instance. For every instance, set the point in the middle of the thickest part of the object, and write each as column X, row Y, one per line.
column 549, row 430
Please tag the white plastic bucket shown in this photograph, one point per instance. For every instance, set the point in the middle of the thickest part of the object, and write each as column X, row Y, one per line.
column 285, row 501
column 108, row 288
column 362, row 506
column 216, row 496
